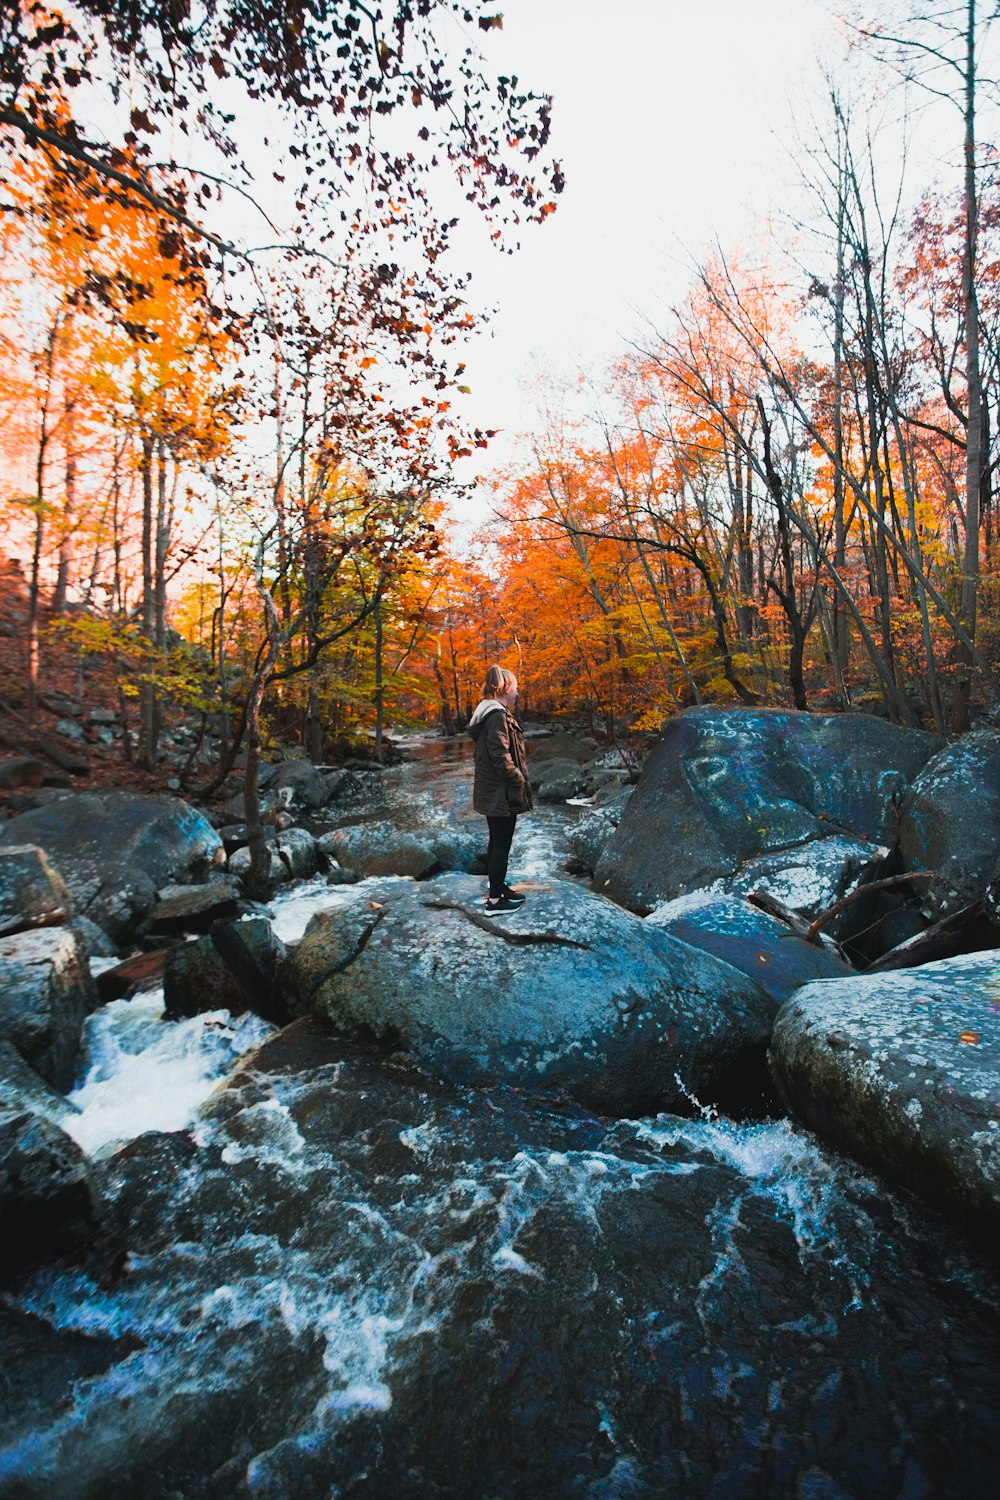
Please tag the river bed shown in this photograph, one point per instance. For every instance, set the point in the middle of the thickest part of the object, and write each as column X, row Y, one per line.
column 346, row 1279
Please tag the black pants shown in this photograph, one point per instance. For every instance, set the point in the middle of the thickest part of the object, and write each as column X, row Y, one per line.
column 498, row 851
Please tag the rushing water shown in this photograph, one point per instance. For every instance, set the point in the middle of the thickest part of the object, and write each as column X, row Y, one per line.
column 345, row 1279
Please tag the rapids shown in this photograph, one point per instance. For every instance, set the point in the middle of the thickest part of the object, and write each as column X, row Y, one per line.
column 343, row 1278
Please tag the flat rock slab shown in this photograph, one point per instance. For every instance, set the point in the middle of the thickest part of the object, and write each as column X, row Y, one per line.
column 749, row 940
column 193, row 907
column 903, row 1070
column 570, row 993
column 724, row 786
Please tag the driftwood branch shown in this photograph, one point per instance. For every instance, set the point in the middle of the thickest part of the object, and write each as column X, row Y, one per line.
column 809, row 931
column 812, row 931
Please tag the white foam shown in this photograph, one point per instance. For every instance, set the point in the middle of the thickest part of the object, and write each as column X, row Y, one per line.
column 146, row 1073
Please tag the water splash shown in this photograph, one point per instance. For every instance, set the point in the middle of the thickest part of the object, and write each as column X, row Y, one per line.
column 142, row 1072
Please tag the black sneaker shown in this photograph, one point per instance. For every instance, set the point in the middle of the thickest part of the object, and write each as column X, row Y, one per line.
column 501, row 907
column 513, row 895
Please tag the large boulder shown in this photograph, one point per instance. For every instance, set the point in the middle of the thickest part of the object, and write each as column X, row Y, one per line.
column 902, row 1069
column 950, row 823
column 748, row 940
column 570, row 993
column 32, row 894
column 726, row 785
column 115, row 849
column 45, row 994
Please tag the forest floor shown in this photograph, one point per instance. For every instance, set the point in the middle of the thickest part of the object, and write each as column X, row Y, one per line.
column 70, row 691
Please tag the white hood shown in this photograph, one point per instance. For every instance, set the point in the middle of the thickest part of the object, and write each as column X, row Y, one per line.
column 483, row 708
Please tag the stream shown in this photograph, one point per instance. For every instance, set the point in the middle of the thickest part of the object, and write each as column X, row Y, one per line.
column 344, row 1278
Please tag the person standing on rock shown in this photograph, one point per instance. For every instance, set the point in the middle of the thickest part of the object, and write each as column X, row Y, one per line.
column 501, row 788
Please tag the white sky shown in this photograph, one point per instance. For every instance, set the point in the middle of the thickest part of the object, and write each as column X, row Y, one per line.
column 669, row 118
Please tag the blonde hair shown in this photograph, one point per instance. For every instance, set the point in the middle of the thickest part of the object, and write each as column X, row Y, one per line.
column 499, row 682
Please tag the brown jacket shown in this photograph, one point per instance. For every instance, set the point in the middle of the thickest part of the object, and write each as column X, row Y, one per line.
column 501, row 786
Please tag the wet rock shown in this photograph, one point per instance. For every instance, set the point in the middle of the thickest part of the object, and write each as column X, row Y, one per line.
column 950, row 822
column 724, row 786
column 193, row 908
column 302, row 784
column 198, row 977
column 46, row 1197
column 902, row 1069
column 810, row 878
column 95, row 941
column 32, row 894
column 570, row 993
column 45, row 993
column 381, row 848
column 21, row 1088
column 366, row 1283
column 586, row 841
column 115, row 849
column 749, row 940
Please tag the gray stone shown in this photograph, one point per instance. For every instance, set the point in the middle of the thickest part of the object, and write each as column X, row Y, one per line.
column 70, row 729
column 238, row 865
column 902, row 1069
column 115, row 849
column 102, row 716
column 46, row 1198
column 724, row 786
column 21, row 1088
column 380, row 848
column 556, row 780
column 749, row 940
column 45, row 993
column 32, row 894
column 94, row 940
column 458, row 848
column 304, row 784
column 950, row 823
column 195, row 978
column 558, row 746
column 569, row 993
column 297, row 849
